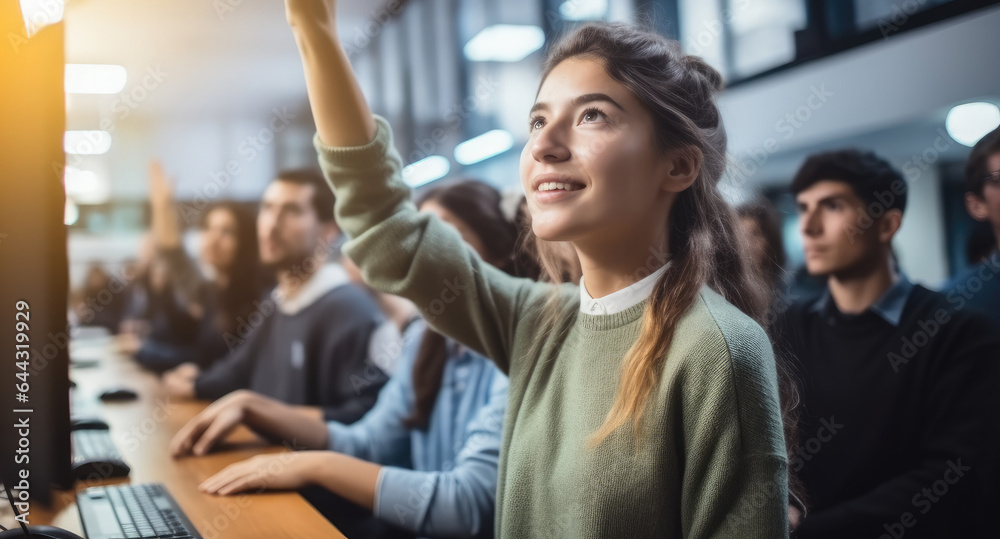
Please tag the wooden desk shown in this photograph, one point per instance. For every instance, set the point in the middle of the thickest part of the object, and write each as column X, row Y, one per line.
column 142, row 430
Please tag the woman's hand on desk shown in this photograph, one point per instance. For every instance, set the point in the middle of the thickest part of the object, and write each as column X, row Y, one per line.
column 282, row 471
column 352, row 478
column 212, row 425
column 280, row 422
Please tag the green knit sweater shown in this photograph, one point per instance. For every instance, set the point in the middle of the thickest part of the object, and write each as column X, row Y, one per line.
column 713, row 462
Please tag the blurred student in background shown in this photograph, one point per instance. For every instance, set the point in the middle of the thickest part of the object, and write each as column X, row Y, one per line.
column 308, row 344
column 759, row 219
column 434, row 430
column 898, row 389
column 386, row 341
column 979, row 286
column 228, row 251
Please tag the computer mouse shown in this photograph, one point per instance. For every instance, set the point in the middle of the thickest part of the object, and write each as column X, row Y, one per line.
column 99, row 470
column 42, row 532
column 118, row 394
column 87, row 423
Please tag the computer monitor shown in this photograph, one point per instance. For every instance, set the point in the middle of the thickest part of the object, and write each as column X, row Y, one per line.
column 34, row 337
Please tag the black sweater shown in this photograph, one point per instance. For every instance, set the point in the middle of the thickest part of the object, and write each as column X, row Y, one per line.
column 316, row 357
column 897, row 425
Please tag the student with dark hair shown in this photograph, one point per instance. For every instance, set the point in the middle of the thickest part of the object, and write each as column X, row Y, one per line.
column 435, row 429
column 644, row 402
column 979, row 286
column 308, row 344
column 898, row 389
column 229, row 248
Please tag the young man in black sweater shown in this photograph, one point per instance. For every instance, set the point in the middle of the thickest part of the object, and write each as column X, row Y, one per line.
column 309, row 343
column 898, row 387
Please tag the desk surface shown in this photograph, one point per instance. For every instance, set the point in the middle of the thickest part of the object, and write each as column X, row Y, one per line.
column 142, row 430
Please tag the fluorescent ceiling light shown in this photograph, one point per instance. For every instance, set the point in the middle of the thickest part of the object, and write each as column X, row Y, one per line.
column 426, row 170
column 504, row 43
column 85, row 187
column 95, row 78
column 583, row 10
column 484, row 146
column 970, row 122
column 40, row 13
column 86, row 142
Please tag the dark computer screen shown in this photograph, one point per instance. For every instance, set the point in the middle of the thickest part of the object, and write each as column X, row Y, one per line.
column 34, row 380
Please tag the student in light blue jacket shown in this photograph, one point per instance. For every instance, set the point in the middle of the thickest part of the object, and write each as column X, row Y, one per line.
column 424, row 459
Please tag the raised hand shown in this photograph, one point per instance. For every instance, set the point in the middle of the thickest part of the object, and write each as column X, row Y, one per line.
column 160, row 190
column 302, row 13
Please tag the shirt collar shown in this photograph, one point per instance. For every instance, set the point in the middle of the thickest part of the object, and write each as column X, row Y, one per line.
column 622, row 299
column 324, row 280
column 888, row 307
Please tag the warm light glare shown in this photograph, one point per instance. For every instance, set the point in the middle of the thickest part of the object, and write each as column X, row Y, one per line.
column 40, row 13
column 504, row 43
column 87, row 142
column 95, row 78
column 970, row 122
column 426, row 170
column 484, row 146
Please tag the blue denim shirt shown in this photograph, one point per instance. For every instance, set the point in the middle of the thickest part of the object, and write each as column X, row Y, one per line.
column 439, row 481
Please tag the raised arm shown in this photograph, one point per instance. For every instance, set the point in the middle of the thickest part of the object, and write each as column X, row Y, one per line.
column 399, row 250
column 166, row 233
column 339, row 109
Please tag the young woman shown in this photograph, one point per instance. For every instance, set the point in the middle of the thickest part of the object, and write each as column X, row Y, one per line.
column 229, row 250
column 430, row 445
column 644, row 402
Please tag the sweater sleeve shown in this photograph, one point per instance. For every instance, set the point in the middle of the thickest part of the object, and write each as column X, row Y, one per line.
column 415, row 255
column 458, row 501
column 735, row 478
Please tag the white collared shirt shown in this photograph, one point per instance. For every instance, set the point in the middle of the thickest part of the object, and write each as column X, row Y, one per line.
column 324, row 280
column 622, row 299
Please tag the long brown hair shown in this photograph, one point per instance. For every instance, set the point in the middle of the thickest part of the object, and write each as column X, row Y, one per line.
column 478, row 206
column 245, row 276
column 707, row 245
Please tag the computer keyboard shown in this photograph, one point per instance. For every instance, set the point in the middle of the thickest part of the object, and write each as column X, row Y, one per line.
column 133, row 511
column 95, row 456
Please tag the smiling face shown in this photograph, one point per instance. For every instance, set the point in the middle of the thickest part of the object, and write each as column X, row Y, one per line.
column 591, row 167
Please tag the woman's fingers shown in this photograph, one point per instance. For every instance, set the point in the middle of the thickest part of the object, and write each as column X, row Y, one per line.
column 220, row 427
column 184, row 440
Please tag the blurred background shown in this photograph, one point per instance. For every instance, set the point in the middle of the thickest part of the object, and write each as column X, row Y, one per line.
column 215, row 90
